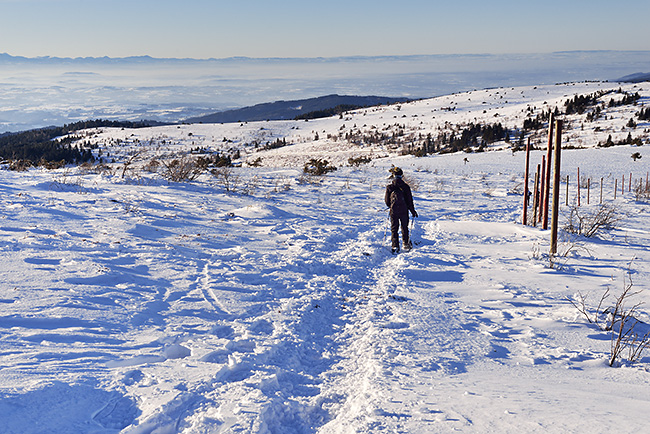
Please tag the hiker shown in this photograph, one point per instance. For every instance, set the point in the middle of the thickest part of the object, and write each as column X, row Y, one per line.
column 400, row 201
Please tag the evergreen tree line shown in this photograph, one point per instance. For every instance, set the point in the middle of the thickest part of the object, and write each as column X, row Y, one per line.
column 37, row 146
column 628, row 99
column 627, row 141
column 580, row 103
column 474, row 135
column 539, row 121
column 325, row 113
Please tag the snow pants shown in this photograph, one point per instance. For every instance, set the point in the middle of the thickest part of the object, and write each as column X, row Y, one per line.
column 397, row 221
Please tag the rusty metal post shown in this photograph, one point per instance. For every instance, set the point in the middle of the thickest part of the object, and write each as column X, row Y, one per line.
column 547, row 179
column 556, row 186
column 536, row 196
column 524, row 219
column 542, row 177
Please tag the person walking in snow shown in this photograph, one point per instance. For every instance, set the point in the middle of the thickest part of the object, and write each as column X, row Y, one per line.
column 399, row 200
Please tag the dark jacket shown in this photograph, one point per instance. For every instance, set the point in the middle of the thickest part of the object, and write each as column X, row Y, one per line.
column 398, row 207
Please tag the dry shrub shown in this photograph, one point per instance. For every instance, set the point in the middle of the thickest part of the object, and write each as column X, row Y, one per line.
column 182, row 169
column 226, row 177
column 618, row 319
column 642, row 191
column 318, row 167
column 581, row 221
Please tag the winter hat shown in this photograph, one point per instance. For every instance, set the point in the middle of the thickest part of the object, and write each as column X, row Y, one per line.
column 396, row 171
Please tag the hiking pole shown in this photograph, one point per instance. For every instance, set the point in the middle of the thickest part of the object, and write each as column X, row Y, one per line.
column 411, row 234
column 386, row 228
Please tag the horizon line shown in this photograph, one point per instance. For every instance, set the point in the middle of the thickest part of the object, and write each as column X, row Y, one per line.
column 321, row 58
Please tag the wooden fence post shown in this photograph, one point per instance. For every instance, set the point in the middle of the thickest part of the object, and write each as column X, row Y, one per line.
column 542, row 177
column 615, row 187
column 556, row 186
column 547, row 181
column 536, row 196
column 524, row 219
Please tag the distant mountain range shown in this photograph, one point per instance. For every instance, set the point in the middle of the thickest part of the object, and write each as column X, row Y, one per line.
column 303, row 108
column 635, row 78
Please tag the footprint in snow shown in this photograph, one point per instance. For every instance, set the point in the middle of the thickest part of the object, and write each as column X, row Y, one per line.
column 223, row 331
column 261, row 327
column 132, row 377
column 242, row 346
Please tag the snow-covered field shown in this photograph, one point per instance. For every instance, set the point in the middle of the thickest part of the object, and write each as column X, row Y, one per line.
column 132, row 304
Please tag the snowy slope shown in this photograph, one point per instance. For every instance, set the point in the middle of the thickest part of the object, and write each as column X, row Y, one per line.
column 339, row 138
column 132, row 304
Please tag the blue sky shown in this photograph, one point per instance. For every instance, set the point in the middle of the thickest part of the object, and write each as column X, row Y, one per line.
column 293, row 28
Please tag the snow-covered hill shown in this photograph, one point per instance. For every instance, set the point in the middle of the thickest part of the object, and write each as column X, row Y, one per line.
column 271, row 302
column 392, row 129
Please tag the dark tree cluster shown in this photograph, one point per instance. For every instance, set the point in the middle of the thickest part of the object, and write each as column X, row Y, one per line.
column 279, row 143
column 628, row 99
column 627, row 141
column 214, row 160
column 42, row 146
column 539, row 121
column 326, row 113
column 580, row 103
column 474, row 135
column 644, row 114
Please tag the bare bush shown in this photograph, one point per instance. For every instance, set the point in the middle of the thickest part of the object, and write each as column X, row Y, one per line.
column 152, row 165
column 413, row 182
column 641, row 191
column 131, row 159
column 227, row 177
column 318, row 167
column 620, row 321
column 20, row 165
column 282, row 184
column 182, row 169
column 589, row 224
column 250, row 186
column 65, row 180
column 358, row 161
column 627, row 336
column 98, row 169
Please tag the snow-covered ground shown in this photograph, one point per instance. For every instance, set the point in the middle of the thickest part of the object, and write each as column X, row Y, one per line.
column 132, row 304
